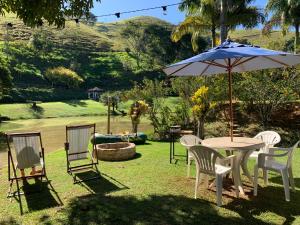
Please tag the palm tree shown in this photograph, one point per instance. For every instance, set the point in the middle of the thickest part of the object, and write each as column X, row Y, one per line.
column 285, row 13
column 202, row 17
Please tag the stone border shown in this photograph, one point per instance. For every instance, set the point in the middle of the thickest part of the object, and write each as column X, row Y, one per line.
column 115, row 151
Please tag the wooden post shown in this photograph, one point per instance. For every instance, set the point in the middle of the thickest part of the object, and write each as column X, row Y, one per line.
column 230, row 99
column 108, row 114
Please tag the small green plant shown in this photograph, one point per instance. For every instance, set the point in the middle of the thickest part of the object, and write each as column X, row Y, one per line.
column 202, row 105
column 61, row 76
column 137, row 109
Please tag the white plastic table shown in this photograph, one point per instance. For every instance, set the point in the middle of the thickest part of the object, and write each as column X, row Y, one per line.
column 242, row 145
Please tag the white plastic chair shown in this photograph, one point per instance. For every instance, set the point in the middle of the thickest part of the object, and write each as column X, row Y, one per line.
column 188, row 141
column 205, row 159
column 270, row 138
column 266, row 162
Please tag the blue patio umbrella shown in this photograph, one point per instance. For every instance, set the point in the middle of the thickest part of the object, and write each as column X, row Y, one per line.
column 231, row 57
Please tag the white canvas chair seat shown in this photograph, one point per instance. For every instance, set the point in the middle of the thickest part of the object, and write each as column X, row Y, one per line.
column 76, row 146
column 188, row 141
column 78, row 140
column 267, row 161
column 27, row 151
column 30, row 165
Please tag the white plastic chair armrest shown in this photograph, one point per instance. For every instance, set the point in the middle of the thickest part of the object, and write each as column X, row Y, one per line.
column 262, row 157
column 230, row 159
column 279, row 149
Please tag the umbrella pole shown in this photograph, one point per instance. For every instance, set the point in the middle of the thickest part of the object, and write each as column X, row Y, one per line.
column 230, row 99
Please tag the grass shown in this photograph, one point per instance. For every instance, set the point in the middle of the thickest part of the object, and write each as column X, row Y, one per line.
column 75, row 108
column 145, row 190
column 53, row 109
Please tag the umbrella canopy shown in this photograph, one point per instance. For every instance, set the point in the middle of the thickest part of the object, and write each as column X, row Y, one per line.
column 231, row 57
column 243, row 58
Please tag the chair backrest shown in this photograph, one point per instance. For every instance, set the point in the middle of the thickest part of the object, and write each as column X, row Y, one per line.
column 190, row 140
column 28, row 149
column 78, row 138
column 270, row 138
column 205, row 158
column 290, row 154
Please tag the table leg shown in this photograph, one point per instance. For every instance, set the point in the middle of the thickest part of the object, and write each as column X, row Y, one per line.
column 170, row 149
column 245, row 167
column 239, row 159
column 173, row 141
column 187, row 157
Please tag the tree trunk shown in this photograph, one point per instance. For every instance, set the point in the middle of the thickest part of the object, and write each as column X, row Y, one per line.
column 200, row 128
column 134, row 127
column 296, row 44
column 213, row 35
column 223, row 20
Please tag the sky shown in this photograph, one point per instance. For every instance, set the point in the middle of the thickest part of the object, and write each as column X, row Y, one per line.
column 173, row 15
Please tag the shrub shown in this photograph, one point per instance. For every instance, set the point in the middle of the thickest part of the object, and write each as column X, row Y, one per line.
column 62, row 76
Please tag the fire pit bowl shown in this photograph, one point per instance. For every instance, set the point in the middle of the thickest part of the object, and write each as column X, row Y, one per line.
column 115, row 151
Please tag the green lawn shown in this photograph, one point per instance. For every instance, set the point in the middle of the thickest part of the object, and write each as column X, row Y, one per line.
column 53, row 109
column 145, row 190
column 73, row 108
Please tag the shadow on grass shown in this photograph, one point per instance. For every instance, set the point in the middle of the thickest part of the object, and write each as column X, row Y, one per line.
column 41, row 195
column 36, row 111
column 155, row 209
column 9, row 221
column 76, row 103
column 99, row 186
column 269, row 199
column 278, row 180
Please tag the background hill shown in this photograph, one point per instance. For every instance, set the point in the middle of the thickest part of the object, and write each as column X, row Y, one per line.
column 98, row 53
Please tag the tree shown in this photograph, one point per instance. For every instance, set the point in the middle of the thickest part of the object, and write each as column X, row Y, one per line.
column 159, row 50
column 5, row 76
column 267, row 90
column 135, row 38
column 202, row 17
column 55, row 12
column 202, row 105
column 285, row 13
column 40, row 41
column 90, row 19
column 137, row 109
column 154, row 93
column 62, row 76
column 115, row 99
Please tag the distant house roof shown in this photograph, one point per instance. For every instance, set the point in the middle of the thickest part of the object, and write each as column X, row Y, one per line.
column 95, row 89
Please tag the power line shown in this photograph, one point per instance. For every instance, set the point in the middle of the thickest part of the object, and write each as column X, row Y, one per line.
column 118, row 14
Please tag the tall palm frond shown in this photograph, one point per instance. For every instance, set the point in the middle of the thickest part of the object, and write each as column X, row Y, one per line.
column 193, row 25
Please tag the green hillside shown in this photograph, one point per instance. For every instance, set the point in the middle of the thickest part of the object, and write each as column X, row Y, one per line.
column 96, row 53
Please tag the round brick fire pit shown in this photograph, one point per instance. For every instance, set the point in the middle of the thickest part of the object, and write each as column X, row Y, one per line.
column 115, row 151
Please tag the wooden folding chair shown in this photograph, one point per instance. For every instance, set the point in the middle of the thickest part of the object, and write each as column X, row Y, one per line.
column 76, row 146
column 29, row 152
